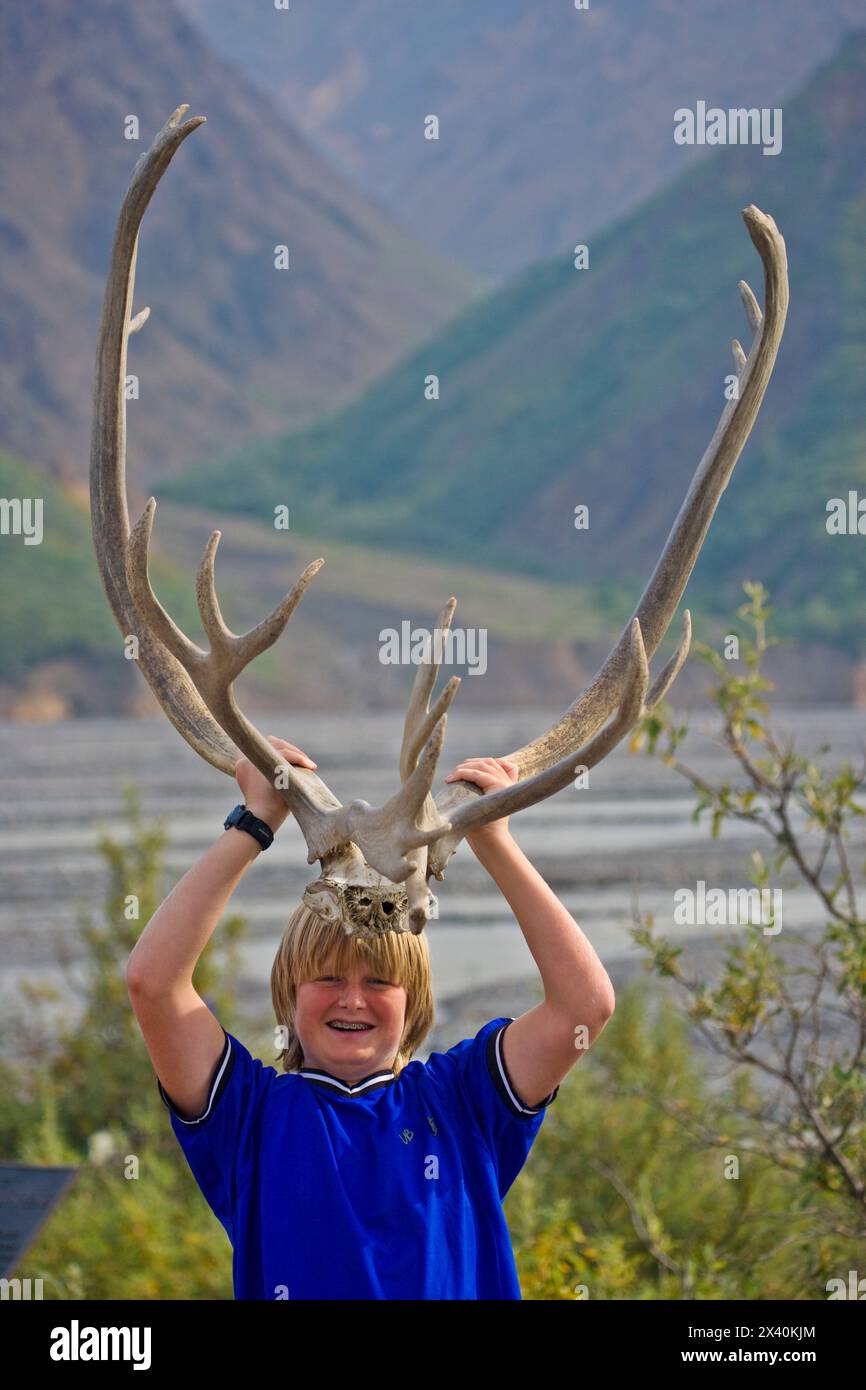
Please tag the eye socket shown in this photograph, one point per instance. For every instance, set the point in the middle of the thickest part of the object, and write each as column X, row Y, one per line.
column 387, row 908
column 365, row 902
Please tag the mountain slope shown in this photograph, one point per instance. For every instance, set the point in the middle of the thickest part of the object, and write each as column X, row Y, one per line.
column 604, row 386
column 553, row 122
column 61, row 653
column 233, row 345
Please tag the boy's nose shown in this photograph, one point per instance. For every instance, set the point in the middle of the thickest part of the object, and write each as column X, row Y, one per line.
column 353, row 993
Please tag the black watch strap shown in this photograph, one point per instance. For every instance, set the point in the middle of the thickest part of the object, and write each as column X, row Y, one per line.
column 242, row 819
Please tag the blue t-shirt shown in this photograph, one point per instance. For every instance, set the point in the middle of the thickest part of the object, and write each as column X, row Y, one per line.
column 390, row 1188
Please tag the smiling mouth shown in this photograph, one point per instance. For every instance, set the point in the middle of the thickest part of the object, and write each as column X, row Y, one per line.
column 339, row 1027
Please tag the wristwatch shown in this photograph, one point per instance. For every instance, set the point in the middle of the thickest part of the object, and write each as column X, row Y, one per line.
column 242, row 819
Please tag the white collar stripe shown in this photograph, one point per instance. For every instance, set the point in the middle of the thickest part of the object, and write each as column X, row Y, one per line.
column 376, row 1080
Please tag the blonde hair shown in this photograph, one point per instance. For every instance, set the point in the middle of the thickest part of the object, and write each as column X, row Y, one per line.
column 306, row 948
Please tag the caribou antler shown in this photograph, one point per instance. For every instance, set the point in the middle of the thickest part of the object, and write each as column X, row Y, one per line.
column 549, row 762
column 194, row 687
column 365, row 852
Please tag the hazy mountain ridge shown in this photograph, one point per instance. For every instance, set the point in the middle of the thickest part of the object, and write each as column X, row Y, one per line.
column 553, row 122
column 233, row 347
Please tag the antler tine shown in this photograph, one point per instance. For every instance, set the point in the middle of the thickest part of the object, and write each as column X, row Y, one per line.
column 750, row 303
column 420, row 723
column 241, row 650
column 385, row 836
column 235, row 652
column 155, row 618
column 420, row 719
column 665, row 588
column 492, row 805
column 669, row 673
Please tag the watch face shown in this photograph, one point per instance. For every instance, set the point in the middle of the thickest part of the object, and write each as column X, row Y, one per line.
column 234, row 816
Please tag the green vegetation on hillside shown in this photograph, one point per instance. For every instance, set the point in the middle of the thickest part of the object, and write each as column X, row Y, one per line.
column 52, row 604
column 52, row 599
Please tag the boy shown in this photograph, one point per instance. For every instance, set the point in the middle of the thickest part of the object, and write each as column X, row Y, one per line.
column 360, row 1173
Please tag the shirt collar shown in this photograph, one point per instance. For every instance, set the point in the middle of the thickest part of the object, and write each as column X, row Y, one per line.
column 347, row 1088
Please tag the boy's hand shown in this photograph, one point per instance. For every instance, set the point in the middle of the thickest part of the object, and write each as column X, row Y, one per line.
column 260, row 795
column 489, row 774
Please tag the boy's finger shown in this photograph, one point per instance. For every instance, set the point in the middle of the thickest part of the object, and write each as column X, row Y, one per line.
column 480, row 777
column 282, row 744
column 301, row 754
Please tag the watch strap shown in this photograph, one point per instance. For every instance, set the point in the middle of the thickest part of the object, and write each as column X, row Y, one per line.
column 242, row 819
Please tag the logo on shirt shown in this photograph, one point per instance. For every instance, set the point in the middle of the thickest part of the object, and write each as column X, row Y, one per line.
column 432, row 1123
column 407, row 1135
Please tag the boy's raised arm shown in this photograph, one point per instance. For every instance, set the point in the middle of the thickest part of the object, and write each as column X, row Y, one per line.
column 543, row 1044
column 184, row 1039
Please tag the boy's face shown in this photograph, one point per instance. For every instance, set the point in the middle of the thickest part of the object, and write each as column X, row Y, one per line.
column 358, row 995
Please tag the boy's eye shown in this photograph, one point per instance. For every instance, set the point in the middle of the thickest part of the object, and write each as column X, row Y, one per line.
column 328, row 978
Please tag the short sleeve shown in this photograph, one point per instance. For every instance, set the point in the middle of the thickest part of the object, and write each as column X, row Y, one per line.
column 476, row 1067
column 217, row 1143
